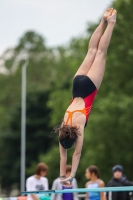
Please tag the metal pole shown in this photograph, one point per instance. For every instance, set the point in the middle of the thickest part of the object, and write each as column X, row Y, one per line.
column 23, row 127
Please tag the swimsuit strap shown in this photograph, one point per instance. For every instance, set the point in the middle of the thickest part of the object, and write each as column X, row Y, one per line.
column 88, row 109
column 71, row 113
column 69, row 117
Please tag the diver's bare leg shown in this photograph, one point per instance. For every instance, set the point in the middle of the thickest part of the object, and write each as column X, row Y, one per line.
column 92, row 49
column 96, row 72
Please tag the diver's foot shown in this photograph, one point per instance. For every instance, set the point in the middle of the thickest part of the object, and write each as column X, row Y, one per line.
column 112, row 18
column 107, row 13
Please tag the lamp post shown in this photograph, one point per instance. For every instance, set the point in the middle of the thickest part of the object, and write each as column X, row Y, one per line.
column 23, row 126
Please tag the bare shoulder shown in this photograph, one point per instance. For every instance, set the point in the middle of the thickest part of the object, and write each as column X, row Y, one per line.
column 86, row 185
column 101, row 183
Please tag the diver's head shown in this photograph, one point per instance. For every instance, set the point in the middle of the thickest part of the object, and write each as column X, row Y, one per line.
column 67, row 143
column 67, row 135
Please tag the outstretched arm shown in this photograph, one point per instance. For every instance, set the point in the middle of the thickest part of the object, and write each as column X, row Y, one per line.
column 77, row 154
column 63, row 159
column 75, row 160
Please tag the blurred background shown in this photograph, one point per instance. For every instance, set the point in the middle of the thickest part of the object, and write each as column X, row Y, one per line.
column 53, row 36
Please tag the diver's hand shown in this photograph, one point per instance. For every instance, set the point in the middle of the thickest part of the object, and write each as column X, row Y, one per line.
column 67, row 182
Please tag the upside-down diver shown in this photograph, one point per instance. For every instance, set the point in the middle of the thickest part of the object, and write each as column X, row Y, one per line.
column 86, row 83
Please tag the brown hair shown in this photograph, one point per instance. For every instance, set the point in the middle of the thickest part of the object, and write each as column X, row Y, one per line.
column 68, row 168
column 66, row 131
column 41, row 167
column 94, row 169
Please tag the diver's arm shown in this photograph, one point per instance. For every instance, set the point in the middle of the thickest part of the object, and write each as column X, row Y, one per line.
column 63, row 159
column 75, row 161
column 77, row 154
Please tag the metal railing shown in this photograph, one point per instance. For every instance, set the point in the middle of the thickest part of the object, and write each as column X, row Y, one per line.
column 80, row 196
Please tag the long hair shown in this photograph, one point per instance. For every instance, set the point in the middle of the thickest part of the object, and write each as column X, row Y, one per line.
column 94, row 169
column 66, row 131
column 67, row 134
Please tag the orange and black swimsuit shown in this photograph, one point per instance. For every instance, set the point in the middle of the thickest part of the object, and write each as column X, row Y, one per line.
column 83, row 87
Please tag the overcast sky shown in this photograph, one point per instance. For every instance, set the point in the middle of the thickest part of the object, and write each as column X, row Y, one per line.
column 57, row 20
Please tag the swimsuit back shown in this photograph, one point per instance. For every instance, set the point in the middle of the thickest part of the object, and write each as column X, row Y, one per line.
column 70, row 114
column 82, row 87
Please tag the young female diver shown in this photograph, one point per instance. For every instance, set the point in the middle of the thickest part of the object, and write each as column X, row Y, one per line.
column 86, row 83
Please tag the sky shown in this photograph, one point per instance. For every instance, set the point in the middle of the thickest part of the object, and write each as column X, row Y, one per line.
column 56, row 20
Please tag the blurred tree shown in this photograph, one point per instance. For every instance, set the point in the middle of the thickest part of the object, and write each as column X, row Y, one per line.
column 108, row 136
column 110, row 121
column 40, row 74
column 40, row 70
column 37, row 138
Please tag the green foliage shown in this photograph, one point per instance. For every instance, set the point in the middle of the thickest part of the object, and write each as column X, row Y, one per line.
column 108, row 136
column 37, row 137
